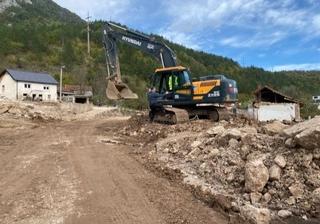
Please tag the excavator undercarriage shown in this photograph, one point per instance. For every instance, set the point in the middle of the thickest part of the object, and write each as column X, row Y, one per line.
column 173, row 115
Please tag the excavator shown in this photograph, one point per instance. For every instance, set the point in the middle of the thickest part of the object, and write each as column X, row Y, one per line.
column 180, row 97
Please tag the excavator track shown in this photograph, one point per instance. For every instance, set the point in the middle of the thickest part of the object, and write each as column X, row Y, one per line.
column 172, row 115
column 219, row 114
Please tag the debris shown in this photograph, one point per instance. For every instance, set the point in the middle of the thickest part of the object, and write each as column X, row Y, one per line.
column 275, row 172
column 256, row 215
column 305, row 134
column 296, row 190
column 255, row 197
column 284, row 214
column 275, row 127
column 280, row 161
column 256, row 176
column 239, row 159
column 218, row 130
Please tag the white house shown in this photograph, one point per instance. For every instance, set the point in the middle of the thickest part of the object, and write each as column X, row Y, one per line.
column 22, row 85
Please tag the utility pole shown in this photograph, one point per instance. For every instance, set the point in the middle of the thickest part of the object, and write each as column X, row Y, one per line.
column 88, row 31
column 61, row 71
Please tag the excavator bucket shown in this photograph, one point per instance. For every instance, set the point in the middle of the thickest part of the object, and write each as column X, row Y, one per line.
column 118, row 91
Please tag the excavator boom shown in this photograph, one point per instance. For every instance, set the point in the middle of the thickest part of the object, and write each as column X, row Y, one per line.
column 116, row 89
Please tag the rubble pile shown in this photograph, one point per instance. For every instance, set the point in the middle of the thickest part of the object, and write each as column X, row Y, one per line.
column 16, row 110
column 261, row 172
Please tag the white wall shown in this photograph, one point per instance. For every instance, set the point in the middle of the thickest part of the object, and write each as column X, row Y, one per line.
column 281, row 112
column 37, row 89
column 8, row 87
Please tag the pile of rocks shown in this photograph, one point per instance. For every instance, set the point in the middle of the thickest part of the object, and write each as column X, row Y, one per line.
column 262, row 172
column 16, row 110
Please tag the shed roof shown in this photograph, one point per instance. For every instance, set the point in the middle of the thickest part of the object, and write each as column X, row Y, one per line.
column 268, row 94
column 24, row 76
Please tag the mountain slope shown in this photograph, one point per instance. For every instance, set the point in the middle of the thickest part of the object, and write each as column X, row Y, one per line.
column 43, row 11
column 42, row 36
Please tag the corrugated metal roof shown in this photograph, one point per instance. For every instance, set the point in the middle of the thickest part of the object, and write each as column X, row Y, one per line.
column 24, row 76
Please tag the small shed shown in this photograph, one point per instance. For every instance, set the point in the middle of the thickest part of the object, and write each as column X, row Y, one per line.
column 271, row 104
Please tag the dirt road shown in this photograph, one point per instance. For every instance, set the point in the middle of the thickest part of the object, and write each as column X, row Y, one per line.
column 64, row 173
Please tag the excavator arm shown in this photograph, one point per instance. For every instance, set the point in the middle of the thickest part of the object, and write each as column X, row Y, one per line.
column 116, row 89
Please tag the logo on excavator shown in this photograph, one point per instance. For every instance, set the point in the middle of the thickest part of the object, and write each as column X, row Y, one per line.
column 150, row 46
column 131, row 41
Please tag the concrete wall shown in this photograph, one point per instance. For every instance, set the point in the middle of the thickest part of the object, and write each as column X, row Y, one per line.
column 76, row 108
column 37, row 90
column 8, row 87
column 280, row 111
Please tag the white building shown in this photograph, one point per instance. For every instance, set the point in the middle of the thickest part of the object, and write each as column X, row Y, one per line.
column 272, row 105
column 21, row 85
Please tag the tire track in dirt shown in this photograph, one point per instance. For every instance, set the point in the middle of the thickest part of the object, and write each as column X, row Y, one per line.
column 120, row 190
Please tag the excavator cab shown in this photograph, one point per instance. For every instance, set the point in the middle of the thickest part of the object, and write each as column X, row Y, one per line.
column 174, row 83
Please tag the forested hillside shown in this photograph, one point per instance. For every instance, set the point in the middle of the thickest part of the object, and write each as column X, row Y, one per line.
column 43, row 36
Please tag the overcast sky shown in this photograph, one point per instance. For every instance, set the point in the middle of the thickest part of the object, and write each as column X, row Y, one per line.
column 275, row 35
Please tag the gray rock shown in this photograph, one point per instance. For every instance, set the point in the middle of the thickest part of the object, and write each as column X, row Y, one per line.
column 256, row 176
column 290, row 143
column 196, row 144
column 306, row 134
column 297, row 190
column 4, row 109
column 255, row 215
column 307, row 159
column 316, row 195
column 284, row 213
column 249, row 130
column 233, row 133
column 280, row 161
column 233, row 143
column 213, row 153
column 218, row 130
column 291, row 200
column 255, row 197
column 275, row 127
column 266, row 198
column 275, row 172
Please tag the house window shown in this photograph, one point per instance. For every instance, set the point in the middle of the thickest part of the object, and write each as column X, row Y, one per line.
column 46, row 87
column 49, row 97
column 3, row 88
column 27, row 86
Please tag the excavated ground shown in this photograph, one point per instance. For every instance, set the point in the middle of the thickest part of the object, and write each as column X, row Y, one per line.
column 213, row 161
column 76, row 172
column 100, row 166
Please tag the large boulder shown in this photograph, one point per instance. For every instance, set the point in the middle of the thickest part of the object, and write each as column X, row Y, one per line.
column 305, row 134
column 255, row 215
column 256, row 175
